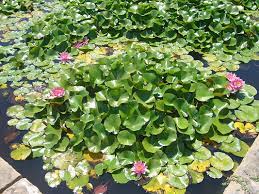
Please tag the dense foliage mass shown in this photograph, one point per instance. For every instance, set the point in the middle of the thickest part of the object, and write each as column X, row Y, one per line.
column 8, row 7
column 118, row 91
column 204, row 25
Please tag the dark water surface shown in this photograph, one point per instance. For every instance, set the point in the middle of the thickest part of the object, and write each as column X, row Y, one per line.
column 32, row 169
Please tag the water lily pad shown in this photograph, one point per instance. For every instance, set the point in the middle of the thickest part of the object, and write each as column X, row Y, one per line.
column 203, row 93
column 21, row 152
column 112, row 123
column 37, row 125
column 214, row 173
column 221, row 161
column 178, row 182
column 126, row 138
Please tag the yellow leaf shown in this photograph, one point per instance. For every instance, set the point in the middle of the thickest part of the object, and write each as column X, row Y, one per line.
column 209, row 57
column 92, row 173
column 19, row 98
column 117, row 46
column 200, row 166
column 93, row 157
column 159, row 184
column 250, row 127
column 21, row 152
column 85, row 57
column 89, row 186
column 101, row 51
column 240, row 127
column 3, row 86
column 153, row 185
column 70, row 135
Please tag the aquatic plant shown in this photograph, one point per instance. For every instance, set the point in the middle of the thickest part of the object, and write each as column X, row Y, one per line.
column 213, row 26
column 8, row 7
column 139, row 168
column 235, row 83
column 145, row 112
column 142, row 105
column 65, row 57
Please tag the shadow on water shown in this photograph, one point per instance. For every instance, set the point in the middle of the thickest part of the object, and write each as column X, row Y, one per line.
column 32, row 169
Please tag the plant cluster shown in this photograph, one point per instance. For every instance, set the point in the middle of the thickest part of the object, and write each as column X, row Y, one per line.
column 204, row 25
column 118, row 92
column 141, row 106
column 9, row 7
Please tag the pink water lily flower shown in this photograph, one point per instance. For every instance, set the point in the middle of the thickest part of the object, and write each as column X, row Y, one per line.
column 231, row 76
column 57, row 92
column 235, row 83
column 139, row 168
column 65, row 57
column 81, row 43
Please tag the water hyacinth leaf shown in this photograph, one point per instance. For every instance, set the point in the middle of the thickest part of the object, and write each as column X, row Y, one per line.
column 221, row 161
column 112, row 123
column 169, row 99
column 181, row 122
column 21, row 152
column 205, row 124
column 214, row 173
column 126, row 138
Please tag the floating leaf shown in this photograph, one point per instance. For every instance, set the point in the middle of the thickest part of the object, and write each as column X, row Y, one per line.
column 21, row 152
column 199, row 165
column 214, row 173
column 126, row 138
column 221, row 161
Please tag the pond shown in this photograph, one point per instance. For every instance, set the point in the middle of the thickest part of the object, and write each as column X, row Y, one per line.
column 32, row 169
column 151, row 95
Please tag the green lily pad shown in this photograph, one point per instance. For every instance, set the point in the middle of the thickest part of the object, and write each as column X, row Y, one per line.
column 221, row 161
column 214, row 173
column 126, row 138
column 112, row 123
column 21, row 152
column 203, row 93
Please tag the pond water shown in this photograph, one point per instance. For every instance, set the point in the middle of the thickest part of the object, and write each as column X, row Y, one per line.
column 32, row 169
